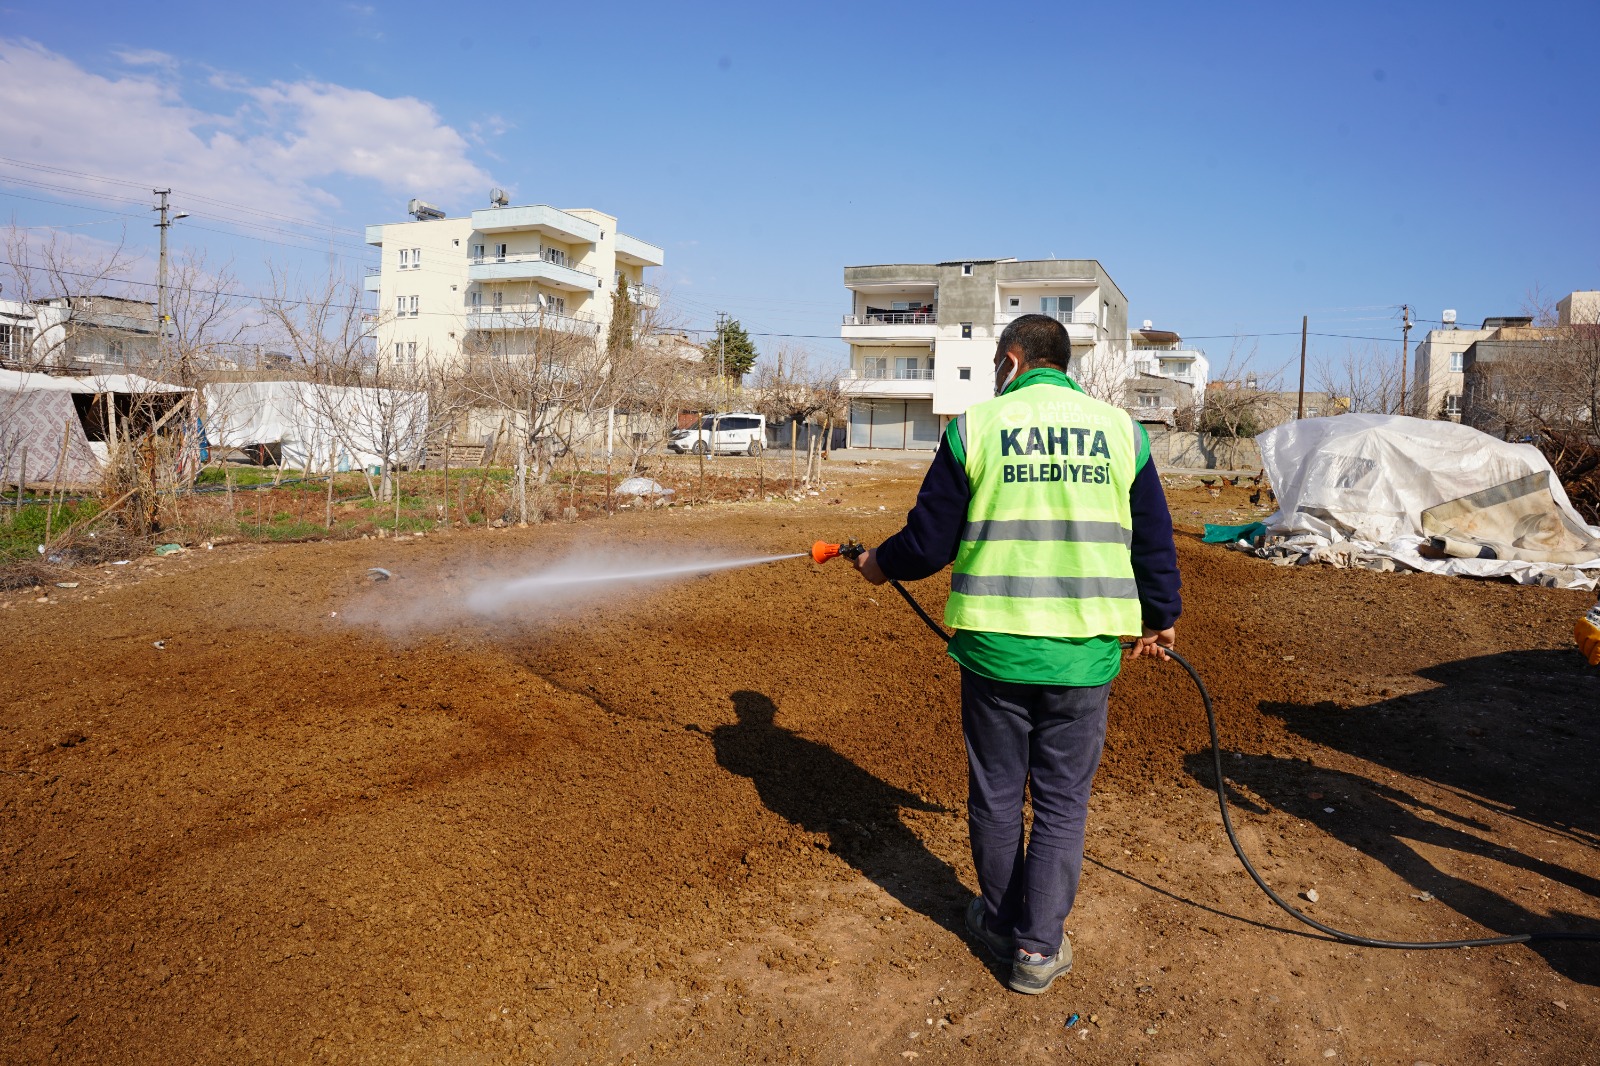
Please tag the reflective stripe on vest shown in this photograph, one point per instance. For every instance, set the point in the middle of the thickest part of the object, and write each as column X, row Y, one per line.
column 1046, row 547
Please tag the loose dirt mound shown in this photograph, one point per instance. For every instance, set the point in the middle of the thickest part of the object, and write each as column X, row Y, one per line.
column 722, row 820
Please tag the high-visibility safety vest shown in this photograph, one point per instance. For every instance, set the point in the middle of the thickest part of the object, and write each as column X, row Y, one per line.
column 1046, row 548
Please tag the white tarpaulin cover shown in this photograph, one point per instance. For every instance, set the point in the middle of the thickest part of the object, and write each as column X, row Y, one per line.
column 42, row 434
column 1375, row 489
column 313, row 424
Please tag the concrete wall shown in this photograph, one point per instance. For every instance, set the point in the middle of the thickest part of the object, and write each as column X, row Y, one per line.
column 1198, row 451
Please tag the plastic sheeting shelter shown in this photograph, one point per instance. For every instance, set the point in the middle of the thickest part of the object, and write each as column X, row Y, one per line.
column 316, row 426
column 1388, row 486
column 57, row 427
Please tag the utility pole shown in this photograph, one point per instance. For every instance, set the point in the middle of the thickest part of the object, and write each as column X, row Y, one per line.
column 162, row 314
column 1405, row 351
column 1300, row 410
column 722, row 373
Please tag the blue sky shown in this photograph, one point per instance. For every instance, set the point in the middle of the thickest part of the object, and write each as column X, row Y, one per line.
column 1233, row 167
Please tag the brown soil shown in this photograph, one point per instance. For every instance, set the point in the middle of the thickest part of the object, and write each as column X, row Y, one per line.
column 721, row 820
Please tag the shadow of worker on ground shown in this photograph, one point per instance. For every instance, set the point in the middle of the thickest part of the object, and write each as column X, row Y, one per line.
column 821, row 791
column 1402, row 831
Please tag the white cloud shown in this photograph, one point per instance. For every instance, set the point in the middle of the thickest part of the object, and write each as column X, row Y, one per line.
column 279, row 150
column 147, row 57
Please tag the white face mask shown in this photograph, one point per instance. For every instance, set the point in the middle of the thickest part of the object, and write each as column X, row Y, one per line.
column 1010, row 375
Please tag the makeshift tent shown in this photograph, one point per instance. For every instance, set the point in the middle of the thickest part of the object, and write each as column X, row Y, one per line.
column 311, row 425
column 1381, row 490
column 58, row 426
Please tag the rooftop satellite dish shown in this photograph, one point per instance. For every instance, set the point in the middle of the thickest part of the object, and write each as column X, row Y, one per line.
column 498, row 197
column 423, row 211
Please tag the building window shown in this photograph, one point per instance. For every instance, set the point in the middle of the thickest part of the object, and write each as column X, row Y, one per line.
column 477, row 252
column 875, row 366
column 500, row 252
column 475, row 299
column 1013, row 303
column 416, row 259
column 965, row 373
column 497, row 297
column 1149, row 399
column 1452, row 403
column 966, row 331
column 405, row 258
column 399, row 351
column 1457, row 360
column 411, row 352
column 1057, row 307
column 966, row 270
column 115, row 349
column 406, row 307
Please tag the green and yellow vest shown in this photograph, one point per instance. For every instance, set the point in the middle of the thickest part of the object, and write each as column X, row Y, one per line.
column 1046, row 548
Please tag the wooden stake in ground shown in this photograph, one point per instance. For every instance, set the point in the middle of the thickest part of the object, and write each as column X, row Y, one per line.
column 445, row 495
column 22, row 478
column 332, row 466
column 794, row 429
column 61, row 462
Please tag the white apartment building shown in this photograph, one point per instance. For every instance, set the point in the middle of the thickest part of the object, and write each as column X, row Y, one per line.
column 1166, row 374
column 492, row 279
column 922, row 338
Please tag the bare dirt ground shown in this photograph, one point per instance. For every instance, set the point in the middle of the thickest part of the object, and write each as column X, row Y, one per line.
column 721, row 821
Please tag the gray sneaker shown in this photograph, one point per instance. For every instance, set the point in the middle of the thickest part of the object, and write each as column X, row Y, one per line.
column 1032, row 978
column 1001, row 947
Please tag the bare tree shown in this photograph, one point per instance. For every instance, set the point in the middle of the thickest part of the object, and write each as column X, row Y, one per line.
column 363, row 407
column 1367, row 378
column 541, row 369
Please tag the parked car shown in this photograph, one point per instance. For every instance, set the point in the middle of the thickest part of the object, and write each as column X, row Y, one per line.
column 735, row 432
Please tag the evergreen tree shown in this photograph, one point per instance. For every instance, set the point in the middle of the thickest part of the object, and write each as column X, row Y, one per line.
column 733, row 348
column 624, row 316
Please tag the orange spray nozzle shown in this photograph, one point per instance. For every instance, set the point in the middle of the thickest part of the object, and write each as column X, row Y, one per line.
column 822, row 551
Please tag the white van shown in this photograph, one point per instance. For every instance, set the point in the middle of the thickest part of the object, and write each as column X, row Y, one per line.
column 735, row 432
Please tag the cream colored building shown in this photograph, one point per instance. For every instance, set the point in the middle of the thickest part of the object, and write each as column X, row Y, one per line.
column 493, row 279
column 1436, row 378
column 1579, row 308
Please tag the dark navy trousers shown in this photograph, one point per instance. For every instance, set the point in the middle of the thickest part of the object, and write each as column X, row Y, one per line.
column 1045, row 739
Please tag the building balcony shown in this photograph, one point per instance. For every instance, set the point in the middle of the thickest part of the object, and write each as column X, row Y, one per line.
column 898, row 373
column 373, row 280
column 634, row 252
column 531, row 317
column 568, row 229
column 1083, row 327
column 889, row 382
column 532, row 267
column 890, row 327
column 644, row 295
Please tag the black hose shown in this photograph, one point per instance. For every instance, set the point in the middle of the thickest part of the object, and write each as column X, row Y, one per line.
column 1238, row 849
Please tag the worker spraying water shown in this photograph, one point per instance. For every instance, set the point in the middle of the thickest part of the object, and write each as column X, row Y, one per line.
column 1051, row 568
column 1048, row 505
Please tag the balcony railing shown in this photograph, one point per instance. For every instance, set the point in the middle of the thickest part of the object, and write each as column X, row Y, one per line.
column 529, row 316
column 884, row 373
column 1066, row 318
column 892, row 318
column 530, row 257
